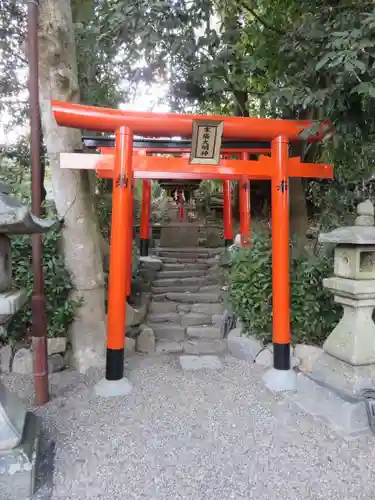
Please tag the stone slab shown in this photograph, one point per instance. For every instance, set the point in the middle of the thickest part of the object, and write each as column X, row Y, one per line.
column 168, row 347
column 358, row 235
column 150, row 262
column 185, row 260
column 341, row 376
column 193, row 298
column 5, row 359
column 245, row 348
column 355, row 289
column 23, row 361
column 183, row 308
column 164, row 318
column 157, row 307
column 189, row 363
column 158, row 291
column 193, row 319
column 10, row 303
column 177, row 281
column 203, row 332
column 168, row 331
column 12, row 419
column 346, row 416
column 56, row 345
column 205, row 346
column 130, row 344
column 211, row 289
column 18, row 466
column 183, row 250
column 189, row 273
column 184, row 267
column 208, row 309
column 56, row 363
column 145, row 341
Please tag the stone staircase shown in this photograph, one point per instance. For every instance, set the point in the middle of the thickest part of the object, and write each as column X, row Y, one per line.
column 186, row 312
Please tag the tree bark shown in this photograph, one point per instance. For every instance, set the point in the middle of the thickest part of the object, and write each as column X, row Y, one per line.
column 71, row 188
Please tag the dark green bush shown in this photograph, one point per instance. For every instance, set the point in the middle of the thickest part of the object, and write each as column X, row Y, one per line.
column 313, row 310
column 59, row 308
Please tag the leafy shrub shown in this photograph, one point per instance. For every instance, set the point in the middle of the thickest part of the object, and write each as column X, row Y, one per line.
column 60, row 309
column 313, row 310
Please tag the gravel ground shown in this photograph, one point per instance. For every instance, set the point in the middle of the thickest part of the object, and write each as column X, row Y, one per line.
column 202, row 435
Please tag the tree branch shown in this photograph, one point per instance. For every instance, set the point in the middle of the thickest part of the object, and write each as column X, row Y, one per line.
column 259, row 19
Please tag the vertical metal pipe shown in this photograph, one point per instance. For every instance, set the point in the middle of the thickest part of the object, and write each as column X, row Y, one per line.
column 39, row 320
column 120, row 261
column 227, row 209
column 145, row 217
column 280, row 256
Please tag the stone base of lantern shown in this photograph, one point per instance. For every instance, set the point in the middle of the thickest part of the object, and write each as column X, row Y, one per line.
column 18, row 465
column 344, row 414
column 353, row 339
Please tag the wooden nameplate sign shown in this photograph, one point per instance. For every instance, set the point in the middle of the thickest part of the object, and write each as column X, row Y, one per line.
column 206, row 142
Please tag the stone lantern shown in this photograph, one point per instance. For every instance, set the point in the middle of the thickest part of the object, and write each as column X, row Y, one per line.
column 353, row 286
column 19, row 429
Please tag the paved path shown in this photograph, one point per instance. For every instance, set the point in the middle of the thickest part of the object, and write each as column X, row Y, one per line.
column 215, row 435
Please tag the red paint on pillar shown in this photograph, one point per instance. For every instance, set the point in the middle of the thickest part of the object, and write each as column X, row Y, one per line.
column 245, row 214
column 121, row 239
column 130, row 241
column 181, row 197
column 280, row 244
column 145, row 214
column 227, row 209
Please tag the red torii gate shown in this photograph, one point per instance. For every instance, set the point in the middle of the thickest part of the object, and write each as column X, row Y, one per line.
column 127, row 164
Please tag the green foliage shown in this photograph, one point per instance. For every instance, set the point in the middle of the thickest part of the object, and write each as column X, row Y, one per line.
column 60, row 309
column 313, row 311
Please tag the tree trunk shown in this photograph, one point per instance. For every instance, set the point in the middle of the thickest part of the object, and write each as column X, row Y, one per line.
column 71, row 188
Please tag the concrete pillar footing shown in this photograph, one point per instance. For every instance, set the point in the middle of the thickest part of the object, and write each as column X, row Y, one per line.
column 113, row 388
column 280, row 380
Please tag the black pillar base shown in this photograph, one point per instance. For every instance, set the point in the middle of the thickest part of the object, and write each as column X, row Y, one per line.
column 281, row 356
column 143, row 247
column 114, row 369
column 228, row 243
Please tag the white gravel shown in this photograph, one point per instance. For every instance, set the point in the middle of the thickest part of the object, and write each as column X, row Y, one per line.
column 198, row 435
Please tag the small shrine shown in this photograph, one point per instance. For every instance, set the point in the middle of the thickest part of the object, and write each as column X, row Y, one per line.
column 19, row 429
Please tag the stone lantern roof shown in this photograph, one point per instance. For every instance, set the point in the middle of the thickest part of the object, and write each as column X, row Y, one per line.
column 16, row 218
column 362, row 233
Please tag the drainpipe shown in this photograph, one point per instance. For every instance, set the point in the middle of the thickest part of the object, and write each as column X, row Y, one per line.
column 39, row 320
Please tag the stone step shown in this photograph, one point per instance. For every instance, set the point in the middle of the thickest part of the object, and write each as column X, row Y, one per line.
column 189, row 273
column 164, row 318
column 192, row 298
column 184, row 260
column 211, row 289
column 210, row 309
column 195, row 257
column 158, row 306
column 204, row 346
column 203, row 332
column 194, row 319
column 167, row 331
column 180, row 281
column 168, row 347
column 185, row 267
column 185, row 250
column 158, row 290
